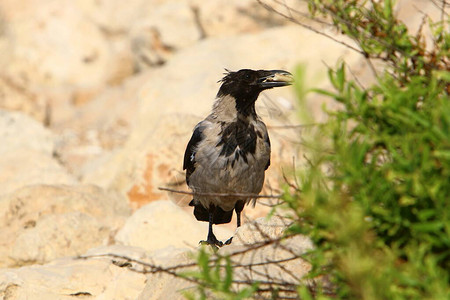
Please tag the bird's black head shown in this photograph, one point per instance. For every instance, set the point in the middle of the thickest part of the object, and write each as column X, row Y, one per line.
column 245, row 85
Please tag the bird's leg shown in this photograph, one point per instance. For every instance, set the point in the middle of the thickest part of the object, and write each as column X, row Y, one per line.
column 238, row 208
column 212, row 240
column 238, row 215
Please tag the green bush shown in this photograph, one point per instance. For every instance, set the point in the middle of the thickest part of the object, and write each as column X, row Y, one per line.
column 375, row 196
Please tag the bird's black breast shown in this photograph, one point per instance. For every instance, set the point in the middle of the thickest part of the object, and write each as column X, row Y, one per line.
column 238, row 138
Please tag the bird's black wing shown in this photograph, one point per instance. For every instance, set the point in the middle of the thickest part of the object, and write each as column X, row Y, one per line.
column 267, row 140
column 189, row 155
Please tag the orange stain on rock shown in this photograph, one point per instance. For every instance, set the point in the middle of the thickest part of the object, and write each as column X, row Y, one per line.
column 141, row 194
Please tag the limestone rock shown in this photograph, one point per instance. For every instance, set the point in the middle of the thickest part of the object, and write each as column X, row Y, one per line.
column 271, row 261
column 88, row 135
column 173, row 25
column 26, row 149
column 106, row 272
column 168, row 286
column 168, row 27
column 71, row 279
column 58, row 235
column 19, row 132
column 41, row 32
column 16, row 96
column 260, row 230
column 41, row 221
column 161, row 224
column 234, row 17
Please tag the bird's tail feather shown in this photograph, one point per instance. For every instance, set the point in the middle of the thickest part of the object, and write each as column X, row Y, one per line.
column 220, row 216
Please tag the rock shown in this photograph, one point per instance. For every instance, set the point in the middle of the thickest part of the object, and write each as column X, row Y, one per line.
column 166, row 286
column 279, row 262
column 20, row 132
column 253, row 245
column 262, row 229
column 41, row 221
column 107, row 273
column 162, row 224
column 24, row 168
column 236, row 16
column 15, row 96
column 168, row 27
column 114, row 17
column 275, row 262
column 52, row 53
column 58, row 235
column 88, row 134
column 26, row 149
column 71, row 279
column 41, row 32
column 156, row 29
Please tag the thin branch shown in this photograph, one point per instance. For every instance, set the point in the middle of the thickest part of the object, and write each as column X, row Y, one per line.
column 302, row 14
column 242, row 195
column 293, row 126
column 270, row 8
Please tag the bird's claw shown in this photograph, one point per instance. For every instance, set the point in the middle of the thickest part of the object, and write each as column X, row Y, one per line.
column 215, row 247
column 213, row 241
column 227, row 242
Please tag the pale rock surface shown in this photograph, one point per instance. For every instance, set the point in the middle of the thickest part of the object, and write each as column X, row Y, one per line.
column 168, row 28
column 20, row 132
column 58, row 235
column 291, row 270
column 38, row 223
column 42, row 33
column 88, row 136
column 105, row 272
column 161, row 224
column 54, row 56
column 165, row 286
column 71, row 279
column 26, row 154
column 156, row 29
column 218, row 18
column 265, row 256
column 16, row 96
column 262, row 229
column 23, row 168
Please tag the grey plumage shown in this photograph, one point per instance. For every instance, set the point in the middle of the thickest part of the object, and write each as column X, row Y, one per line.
column 229, row 151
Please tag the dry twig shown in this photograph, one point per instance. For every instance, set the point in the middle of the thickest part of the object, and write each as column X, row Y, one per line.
column 241, row 195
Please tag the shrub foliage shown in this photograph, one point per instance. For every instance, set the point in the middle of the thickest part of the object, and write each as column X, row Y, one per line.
column 375, row 196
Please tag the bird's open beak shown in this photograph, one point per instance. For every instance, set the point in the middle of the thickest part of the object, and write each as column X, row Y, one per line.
column 275, row 78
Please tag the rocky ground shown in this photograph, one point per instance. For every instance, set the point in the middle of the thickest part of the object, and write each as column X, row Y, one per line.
column 97, row 103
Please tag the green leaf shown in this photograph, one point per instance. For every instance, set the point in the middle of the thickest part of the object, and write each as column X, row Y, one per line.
column 428, row 226
column 228, row 275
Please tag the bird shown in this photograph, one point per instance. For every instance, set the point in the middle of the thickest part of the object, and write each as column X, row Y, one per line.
column 229, row 151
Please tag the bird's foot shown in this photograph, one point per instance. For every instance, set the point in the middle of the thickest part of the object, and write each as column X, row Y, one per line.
column 227, row 242
column 213, row 241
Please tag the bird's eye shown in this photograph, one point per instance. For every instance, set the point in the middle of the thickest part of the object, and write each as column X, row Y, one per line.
column 247, row 76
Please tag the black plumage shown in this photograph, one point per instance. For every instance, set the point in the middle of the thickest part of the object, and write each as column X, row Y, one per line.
column 189, row 155
column 230, row 150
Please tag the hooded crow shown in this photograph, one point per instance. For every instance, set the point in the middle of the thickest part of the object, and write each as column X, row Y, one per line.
column 229, row 151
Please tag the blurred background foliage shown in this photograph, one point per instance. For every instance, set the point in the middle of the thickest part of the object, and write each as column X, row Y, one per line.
column 375, row 195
